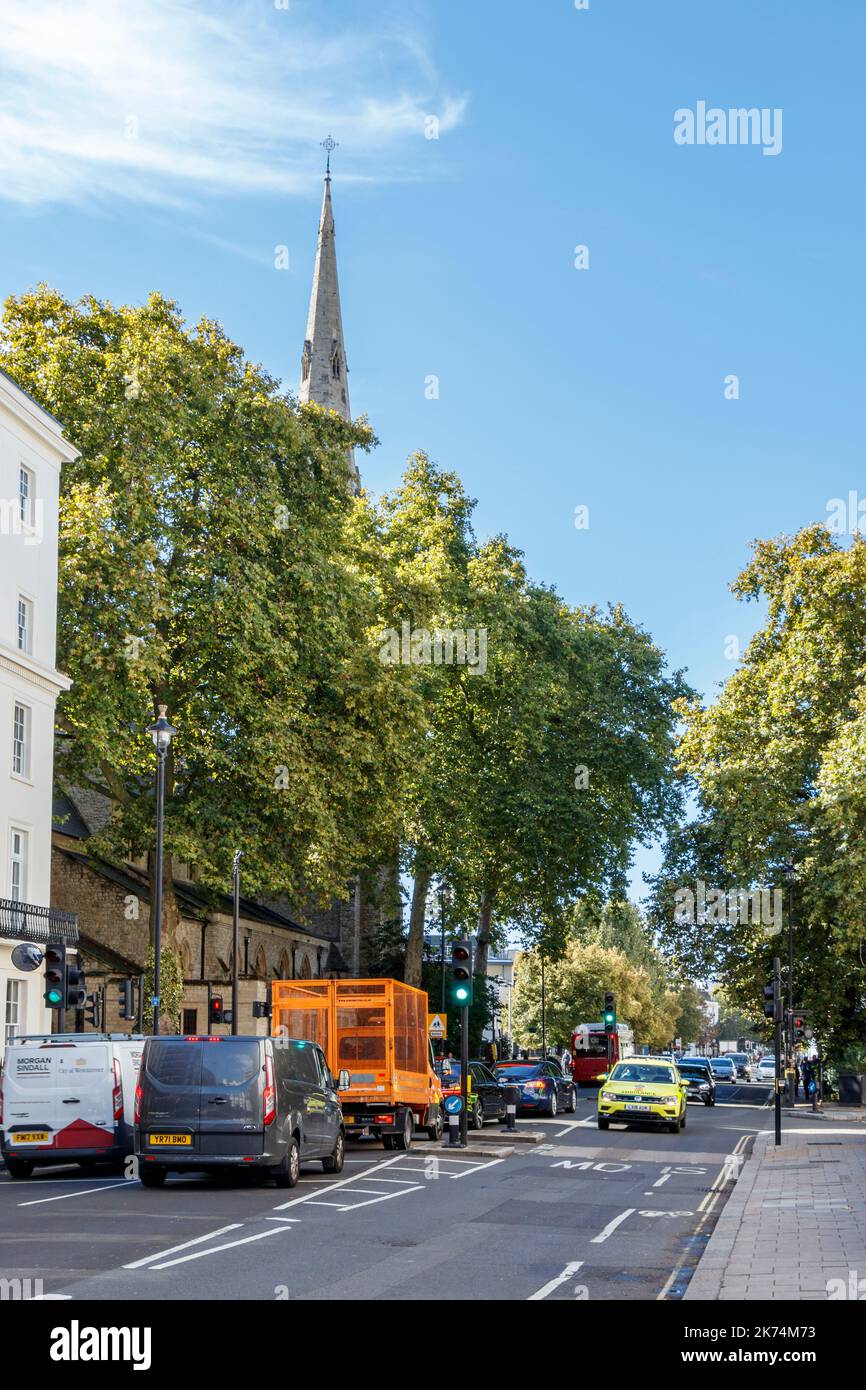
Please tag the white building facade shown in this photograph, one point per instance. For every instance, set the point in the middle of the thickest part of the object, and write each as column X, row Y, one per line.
column 32, row 452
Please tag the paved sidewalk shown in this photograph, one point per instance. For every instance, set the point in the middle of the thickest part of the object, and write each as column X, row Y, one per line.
column 795, row 1221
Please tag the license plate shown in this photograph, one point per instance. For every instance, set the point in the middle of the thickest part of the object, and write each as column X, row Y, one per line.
column 638, row 1107
column 34, row 1136
column 170, row 1139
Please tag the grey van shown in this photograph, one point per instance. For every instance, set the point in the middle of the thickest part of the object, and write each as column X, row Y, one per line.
column 247, row 1102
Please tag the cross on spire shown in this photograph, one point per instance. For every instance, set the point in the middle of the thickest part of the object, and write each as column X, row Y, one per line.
column 329, row 144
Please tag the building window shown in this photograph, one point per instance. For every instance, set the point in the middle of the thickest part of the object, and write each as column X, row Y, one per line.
column 335, row 366
column 18, row 866
column 26, row 494
column 190, row 1022
column 14, row 1020
column 261, row 964
column 25, row 624
column 21, row 741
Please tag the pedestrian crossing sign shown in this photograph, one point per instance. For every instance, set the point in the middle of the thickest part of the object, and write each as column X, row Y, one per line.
column 436, row 1026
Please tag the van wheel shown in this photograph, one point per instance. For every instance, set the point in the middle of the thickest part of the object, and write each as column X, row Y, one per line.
column 603, row 1123
column 286, row 1174
column 334, row 1162
column 151, row 1176
column 404, row 1140
column 19, row 1167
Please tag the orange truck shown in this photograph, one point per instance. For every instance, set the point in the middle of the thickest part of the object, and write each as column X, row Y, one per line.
column 377, row 1031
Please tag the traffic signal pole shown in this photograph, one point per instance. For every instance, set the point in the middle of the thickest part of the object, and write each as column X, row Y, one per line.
column 464, row 1075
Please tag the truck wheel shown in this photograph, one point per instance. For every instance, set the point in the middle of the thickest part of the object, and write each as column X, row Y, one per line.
column 151, row 1176
column 388, row 1142
column 334, row 1162
column 18, row 1167
column 435, row 1132
column 286, row 1174
column 404, row 1140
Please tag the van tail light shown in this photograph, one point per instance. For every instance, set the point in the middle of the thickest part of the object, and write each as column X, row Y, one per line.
column 137, row 1104
column 117, row 1093
column 269, row 1100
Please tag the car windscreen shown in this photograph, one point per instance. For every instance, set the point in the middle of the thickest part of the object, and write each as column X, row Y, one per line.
column 657, row 1076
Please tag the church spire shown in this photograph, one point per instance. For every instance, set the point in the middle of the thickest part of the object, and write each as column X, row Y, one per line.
column 324, row 373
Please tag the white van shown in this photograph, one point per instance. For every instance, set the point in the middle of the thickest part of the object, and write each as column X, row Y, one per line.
column 68, row 1098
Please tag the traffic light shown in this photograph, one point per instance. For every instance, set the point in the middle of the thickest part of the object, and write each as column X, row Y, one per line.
column 799, row 1026
column 55, row 975
column 92, row 1011
column 609, row 1012
column 773, row 1001
column 215, row 1010
column 76, row 994
column 124, row 999
column 461, row 974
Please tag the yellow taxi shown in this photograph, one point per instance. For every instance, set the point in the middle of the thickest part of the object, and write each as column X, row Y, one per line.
column 643, row 1090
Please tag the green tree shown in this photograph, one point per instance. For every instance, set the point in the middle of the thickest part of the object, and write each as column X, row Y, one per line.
column 777, row 761
column 209, row 562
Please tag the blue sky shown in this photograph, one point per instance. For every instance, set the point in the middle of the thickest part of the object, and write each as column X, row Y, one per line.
column 173, row 145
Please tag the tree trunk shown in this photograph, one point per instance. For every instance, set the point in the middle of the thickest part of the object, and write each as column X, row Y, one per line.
column 482, row 936
column 417, row 916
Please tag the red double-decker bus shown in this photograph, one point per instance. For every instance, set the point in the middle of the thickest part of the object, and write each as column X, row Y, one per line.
column 589, row 1050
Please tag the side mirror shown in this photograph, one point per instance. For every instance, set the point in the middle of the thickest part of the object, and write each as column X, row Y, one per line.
column 344, row 1080
column 602, row 1076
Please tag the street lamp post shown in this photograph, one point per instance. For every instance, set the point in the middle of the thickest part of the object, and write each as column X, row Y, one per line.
column 162, row 734
column 790, row 873
column 543, row 1011
column 236, row 903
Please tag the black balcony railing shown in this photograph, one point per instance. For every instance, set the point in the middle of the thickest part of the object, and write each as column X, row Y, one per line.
column 27, row 922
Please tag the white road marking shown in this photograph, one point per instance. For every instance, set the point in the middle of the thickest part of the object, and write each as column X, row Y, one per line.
column 563, row 1278
column 38, row 1201
column 568, row 1128
column 160, row 1254
column 228, row 1245
column 382, row 1197
column 469, row 1171
column 611, row 1226
column 334, row 1186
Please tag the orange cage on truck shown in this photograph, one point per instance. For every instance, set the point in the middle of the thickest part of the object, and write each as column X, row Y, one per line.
column 377, row 1031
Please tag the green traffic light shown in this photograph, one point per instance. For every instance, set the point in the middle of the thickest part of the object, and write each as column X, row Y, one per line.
column 53, row 997
column 461, row 993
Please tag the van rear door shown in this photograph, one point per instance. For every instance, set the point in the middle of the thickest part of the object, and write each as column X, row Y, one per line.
column 170, row 1081
column 58, row 1095
column 232, row 1099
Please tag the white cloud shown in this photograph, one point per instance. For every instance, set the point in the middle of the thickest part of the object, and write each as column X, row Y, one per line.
column 160, row 100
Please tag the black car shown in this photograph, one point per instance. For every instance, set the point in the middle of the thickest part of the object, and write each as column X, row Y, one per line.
column 486, row 1096
column 697, row 1073
column 244, row 1102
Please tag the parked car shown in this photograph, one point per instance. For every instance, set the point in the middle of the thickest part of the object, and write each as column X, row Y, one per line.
column 67, row 1098
column 743, row 1063
column 542, row 1086
column 700, row 1083
column 645, row 1090
column 236, row 1102
column 486, row 1096
column 723, row 1068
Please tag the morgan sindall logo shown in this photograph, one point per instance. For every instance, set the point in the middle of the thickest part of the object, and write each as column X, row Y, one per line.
column 77, row 1343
